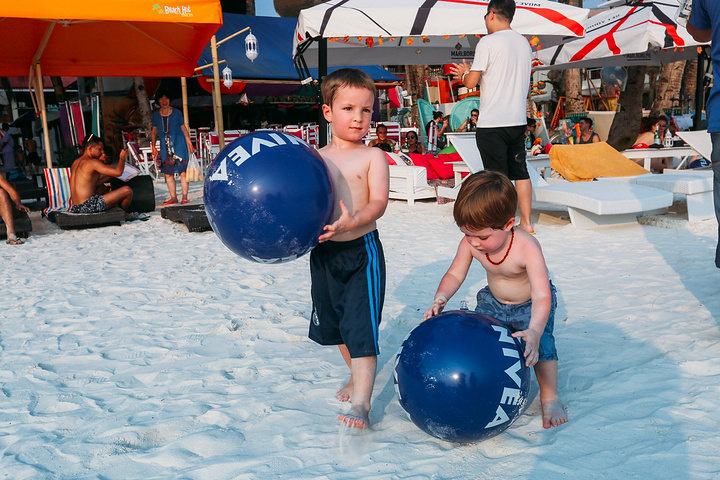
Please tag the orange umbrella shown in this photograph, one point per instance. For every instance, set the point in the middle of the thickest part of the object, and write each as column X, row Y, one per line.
column 120, row 38
column 109, row 38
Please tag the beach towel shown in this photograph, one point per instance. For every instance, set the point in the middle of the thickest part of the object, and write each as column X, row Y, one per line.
column 583, row 163
column 58, row 185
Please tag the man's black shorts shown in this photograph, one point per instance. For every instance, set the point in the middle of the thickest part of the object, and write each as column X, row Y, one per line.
column 502, row 149
column 348, row 291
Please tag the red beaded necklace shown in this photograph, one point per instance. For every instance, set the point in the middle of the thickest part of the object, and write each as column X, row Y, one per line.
column 512, row 237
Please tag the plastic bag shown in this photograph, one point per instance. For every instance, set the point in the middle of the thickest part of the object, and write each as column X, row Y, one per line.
column 193, row 172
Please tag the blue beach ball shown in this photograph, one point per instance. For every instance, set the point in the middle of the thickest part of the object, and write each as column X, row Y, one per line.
column 461, row 377
column 268, row 196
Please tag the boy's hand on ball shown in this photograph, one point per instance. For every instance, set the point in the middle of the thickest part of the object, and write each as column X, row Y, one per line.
column 532, row 342
column 436, row 308
column 345, row 223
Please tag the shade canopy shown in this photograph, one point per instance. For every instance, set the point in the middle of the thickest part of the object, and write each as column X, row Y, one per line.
column 419, row 32
column 274, row 62
column 644, row 33
column 107, row 38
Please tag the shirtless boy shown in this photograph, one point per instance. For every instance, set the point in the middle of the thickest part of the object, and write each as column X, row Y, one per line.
column 87, row 177
column 347, row 268
column 519, row 292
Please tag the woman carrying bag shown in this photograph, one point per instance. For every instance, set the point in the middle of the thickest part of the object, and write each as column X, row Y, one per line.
column 175, row 146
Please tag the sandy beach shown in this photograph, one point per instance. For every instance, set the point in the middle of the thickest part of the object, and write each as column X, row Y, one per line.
column 147, row 352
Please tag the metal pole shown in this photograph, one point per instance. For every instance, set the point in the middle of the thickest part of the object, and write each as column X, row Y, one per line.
column 217, row 101
column 699, row 90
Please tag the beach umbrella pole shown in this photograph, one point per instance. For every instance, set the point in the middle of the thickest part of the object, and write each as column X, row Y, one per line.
column 43, row 112
column 183, row 85
column 217, row 102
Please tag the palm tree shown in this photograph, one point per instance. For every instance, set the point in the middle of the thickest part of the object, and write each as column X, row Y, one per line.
column 668, row 86
column 627, row 120
column 143, row 103
column 572, row 84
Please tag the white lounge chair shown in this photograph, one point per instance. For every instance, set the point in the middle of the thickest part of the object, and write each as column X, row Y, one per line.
column 466, row 147
column 695, row 185
column 595, row 204
column 408, row 182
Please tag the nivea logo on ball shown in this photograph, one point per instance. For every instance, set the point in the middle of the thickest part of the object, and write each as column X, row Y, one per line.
column 461, row 377
column 268, row 196
column 239, row 154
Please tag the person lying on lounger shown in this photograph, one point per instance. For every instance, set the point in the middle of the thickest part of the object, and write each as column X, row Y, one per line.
column 88, row 173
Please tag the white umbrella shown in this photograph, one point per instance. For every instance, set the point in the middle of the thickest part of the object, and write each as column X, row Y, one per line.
column 419, row 32
column 644, row 33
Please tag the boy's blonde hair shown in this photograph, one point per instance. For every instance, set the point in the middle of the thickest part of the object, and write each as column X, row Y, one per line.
column 486, row 200
column 345, row 77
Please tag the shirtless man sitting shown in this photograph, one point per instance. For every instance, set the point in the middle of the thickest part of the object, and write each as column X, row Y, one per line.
column 89, row 173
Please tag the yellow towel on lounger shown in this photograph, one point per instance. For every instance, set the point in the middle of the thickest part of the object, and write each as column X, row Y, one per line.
column 582, row 163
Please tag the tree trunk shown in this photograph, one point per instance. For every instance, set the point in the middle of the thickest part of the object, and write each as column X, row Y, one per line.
column 572, row 81
column 652, row 74
column 573, row 91
column 414, row 83
column 668, row 86
column 687, row 94
column 250, row 7
column 143, row 104
column 627, row 120
column 58, row 87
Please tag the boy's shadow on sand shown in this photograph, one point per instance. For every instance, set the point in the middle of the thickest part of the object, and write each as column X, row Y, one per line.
column 614, row 409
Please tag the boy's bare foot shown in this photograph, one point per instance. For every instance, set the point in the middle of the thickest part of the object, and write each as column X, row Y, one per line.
column 345, row 393
column 355, row 417
column 553, row 413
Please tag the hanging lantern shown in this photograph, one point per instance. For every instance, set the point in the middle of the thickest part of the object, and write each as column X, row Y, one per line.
column 227, row 77
column 251, row 47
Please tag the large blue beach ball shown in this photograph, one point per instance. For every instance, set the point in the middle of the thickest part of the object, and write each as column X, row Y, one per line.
column 461, row 377
column 268, row 196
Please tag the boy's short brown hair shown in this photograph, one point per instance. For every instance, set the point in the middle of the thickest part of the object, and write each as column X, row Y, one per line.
column 345, row 77
column 486, row 199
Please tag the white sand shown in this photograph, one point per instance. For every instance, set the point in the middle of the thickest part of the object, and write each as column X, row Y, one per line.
column 147, row 352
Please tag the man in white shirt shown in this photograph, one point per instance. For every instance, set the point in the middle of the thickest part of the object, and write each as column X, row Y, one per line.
column 502, row 67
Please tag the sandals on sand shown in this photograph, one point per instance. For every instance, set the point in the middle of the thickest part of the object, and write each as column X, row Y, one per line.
column 184, row 201
column 14, row 241
column 169, row 202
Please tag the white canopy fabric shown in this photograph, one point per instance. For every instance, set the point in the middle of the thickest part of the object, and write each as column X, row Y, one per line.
column 644, row 33
column 419, row 32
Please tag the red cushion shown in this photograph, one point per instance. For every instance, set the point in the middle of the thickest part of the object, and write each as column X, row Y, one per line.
column 391, row 161
column 444, row 169
column 423, row 160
